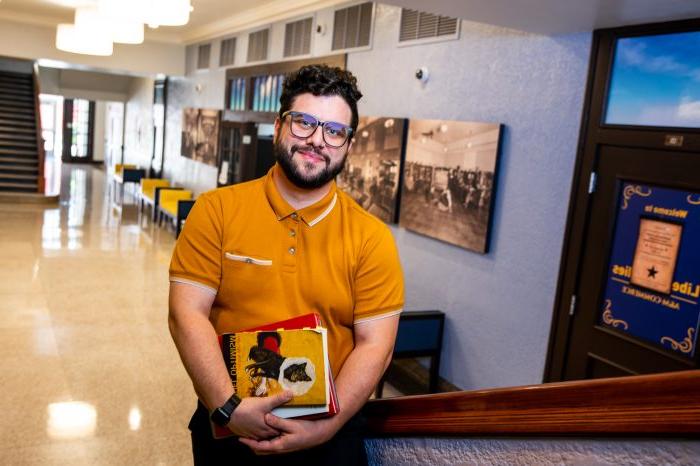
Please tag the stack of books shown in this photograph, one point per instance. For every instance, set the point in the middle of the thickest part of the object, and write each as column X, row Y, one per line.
column 287, row 355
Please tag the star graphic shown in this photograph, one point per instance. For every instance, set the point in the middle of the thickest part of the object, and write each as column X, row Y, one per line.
column 652, row 272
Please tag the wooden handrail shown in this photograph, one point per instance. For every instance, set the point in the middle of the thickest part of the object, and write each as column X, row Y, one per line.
column 660, row 404
column 41, row 180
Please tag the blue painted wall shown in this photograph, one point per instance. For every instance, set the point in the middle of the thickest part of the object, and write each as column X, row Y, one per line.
column 499, row 306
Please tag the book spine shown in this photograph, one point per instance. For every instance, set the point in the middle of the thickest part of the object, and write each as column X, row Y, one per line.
column 230, row 351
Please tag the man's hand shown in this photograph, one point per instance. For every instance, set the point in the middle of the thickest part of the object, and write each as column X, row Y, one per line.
column 293, row 435
column 248, row 419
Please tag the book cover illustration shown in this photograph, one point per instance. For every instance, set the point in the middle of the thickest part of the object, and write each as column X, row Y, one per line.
column 268, row 362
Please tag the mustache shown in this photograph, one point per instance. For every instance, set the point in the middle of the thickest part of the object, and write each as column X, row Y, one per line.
column 308, row 148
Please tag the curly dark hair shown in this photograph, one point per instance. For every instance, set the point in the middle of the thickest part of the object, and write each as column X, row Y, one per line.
column 321, row 80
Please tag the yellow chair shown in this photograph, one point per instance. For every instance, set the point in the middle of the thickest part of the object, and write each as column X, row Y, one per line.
column 149, row 194
column 175, row 204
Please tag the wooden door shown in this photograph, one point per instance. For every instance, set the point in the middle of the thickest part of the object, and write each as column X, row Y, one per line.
column 628, row 300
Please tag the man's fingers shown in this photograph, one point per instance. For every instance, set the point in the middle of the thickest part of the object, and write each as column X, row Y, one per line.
column 263, row 446
column 279, row 423
column 279, row 399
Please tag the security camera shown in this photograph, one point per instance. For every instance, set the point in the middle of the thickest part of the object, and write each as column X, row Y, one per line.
column 422, row 74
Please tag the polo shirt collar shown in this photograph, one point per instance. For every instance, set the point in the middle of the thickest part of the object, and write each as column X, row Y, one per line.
column 311, row 215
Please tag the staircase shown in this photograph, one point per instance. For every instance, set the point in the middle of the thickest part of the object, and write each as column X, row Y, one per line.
column 19, row 154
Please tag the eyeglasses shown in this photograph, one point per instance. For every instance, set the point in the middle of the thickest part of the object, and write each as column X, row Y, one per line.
column 303, row 125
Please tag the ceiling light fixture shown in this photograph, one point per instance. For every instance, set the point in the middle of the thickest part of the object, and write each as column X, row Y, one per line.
column 98, row 25
column 166, row 12
column 71, row 39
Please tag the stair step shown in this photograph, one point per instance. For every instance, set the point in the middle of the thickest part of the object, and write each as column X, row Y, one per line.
column 14, row 184
column 16, row 103
column 16, row 177
column 15, row 95
column 11, row 116
column 19, row 145
column 17, row 83
column 6, row 161
column 19, row 169
column 18, row 125
column 21, row 77
column 11, row 111
column 18, row 90
column 18, row 152
column 8, row 136
column 9, row 129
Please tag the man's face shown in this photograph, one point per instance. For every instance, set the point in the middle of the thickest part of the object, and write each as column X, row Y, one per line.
column 310, row 163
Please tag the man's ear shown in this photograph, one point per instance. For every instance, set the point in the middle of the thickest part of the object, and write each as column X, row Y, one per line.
column 278, row 128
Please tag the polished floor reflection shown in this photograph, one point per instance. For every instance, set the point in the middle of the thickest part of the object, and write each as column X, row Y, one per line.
column 89, row 374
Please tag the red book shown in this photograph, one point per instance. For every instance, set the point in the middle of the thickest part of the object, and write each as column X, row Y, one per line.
column 311, row 321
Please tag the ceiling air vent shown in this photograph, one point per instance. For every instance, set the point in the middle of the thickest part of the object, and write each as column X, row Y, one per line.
column 297, row 38
column 352, row 26
column 257, row 45
column 416, row 25
column 203, row 54
column 227, row 55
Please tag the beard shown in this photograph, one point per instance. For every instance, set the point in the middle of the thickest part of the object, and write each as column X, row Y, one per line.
column 293, row 168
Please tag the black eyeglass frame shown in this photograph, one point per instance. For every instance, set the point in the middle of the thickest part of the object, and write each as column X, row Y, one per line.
column 320, row 124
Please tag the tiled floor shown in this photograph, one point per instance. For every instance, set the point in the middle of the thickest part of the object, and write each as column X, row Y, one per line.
column 88, row 371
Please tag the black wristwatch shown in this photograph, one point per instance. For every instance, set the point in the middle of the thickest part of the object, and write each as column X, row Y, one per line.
column 221, row 416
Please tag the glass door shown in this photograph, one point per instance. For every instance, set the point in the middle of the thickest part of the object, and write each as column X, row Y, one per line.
column 78, row 129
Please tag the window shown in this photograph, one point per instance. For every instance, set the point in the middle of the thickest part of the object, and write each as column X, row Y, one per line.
column 656, row 81
column 227, row 54
column 203, row 54
column 352, row 26
column 297, row 38
column 257, row 45
column 417, row 25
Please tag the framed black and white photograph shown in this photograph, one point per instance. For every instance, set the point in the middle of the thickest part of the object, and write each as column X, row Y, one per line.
column 200, row 135
column 207, row 137
column 449, row 179
column 373, row 168
column 190, row 121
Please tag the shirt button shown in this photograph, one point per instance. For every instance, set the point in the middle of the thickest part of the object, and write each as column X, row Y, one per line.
column 292, row 251
column 294, row 216
column 292, row 233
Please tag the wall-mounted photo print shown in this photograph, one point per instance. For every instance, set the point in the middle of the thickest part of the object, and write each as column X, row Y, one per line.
column 200, row 135
column 449, row 180
column 373, row 168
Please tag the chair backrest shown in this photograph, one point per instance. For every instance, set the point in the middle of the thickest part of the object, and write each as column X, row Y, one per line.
column 184, row 207
column 149, row 185
column 133, row 175
column 420, row 333
column 167, row 195
column 119, row 167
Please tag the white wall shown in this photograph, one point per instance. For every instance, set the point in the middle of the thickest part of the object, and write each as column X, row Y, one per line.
column 499, row 306
column 138, row 129
column 34, row 42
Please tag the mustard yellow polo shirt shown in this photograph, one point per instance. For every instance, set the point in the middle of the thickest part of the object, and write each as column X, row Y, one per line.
column 265, row 261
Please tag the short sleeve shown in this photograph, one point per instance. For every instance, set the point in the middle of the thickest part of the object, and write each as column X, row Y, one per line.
column 197, row 255
column 379, row 288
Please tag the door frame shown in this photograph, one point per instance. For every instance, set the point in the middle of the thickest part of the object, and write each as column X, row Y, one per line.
column 593, row 134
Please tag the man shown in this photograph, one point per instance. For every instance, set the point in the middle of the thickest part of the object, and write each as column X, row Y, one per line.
column 284, row 245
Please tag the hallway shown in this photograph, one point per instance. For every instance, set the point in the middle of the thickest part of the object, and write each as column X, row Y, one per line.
column 89, row 373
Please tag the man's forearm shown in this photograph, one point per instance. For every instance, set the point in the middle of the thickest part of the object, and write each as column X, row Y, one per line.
column 197, row 344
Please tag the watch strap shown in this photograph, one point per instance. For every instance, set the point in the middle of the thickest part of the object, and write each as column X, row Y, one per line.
column 222, row 415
